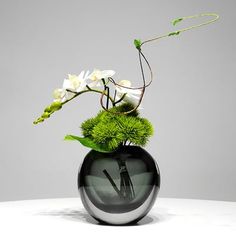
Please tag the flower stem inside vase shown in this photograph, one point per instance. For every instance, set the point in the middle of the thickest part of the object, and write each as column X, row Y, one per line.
column 126, row 191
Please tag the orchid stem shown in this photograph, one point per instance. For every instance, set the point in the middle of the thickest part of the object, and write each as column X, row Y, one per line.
column 108, row 95
column 118, row 101
column 85, row 91
column 112, row 183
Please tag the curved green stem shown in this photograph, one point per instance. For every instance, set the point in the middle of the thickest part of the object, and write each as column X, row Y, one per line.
column 174, row 22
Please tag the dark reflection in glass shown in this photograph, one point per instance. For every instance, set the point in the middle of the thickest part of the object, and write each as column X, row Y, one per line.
column 119, row 187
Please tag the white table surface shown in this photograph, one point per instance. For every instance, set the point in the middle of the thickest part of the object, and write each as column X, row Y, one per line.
column 66, row 216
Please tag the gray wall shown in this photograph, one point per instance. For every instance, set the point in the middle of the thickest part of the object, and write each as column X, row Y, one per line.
column 191, row 102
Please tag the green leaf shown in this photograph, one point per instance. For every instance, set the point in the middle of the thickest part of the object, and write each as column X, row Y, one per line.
column 87, row 142
column 176, row 21
column 174, row 33
column 137, row 43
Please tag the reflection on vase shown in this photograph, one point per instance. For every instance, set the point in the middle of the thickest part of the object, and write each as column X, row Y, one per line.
column 119, row 187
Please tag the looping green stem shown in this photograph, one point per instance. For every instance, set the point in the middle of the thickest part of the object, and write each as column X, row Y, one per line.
column 138, row 45
column 174, row 22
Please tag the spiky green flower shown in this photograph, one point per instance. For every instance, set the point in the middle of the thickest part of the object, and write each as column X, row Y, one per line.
column 108, row 134
column 112, row 129
column 88, row 126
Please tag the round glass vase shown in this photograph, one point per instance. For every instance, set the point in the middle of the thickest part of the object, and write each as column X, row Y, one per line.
column 119, row 188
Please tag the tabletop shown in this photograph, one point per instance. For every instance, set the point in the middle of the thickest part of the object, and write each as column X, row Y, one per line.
column 66, row 216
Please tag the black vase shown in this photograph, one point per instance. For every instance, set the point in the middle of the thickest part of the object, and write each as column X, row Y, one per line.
column 120, row 187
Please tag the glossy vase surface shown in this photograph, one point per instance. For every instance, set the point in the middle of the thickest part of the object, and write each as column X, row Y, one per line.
column 120, row 187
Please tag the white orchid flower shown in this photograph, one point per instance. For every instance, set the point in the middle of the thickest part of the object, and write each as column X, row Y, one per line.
column 97, row 75
column 59, row 95
column 132, row 95
column 76, row 83
column 73, row 83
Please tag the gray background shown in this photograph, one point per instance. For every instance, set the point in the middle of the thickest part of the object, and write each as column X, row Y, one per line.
column 191, row 102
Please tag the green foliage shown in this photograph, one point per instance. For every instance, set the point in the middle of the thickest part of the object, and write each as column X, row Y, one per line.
column 137, row 130
column 86, row 142
column 174, row 33
column 176, row 21
column 108, row 134
column 88, row 125
column 55, row 106
column 137, row 43
column 111, row 129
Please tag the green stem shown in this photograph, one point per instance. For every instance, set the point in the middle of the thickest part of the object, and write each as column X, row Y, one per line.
column 216, row 17
column 85, row 91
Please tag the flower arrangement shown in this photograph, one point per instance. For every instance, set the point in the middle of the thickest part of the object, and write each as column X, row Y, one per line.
column 117, row 132
column 119, row 123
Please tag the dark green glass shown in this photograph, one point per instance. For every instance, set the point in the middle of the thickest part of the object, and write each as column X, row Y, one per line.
column 119, row 187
